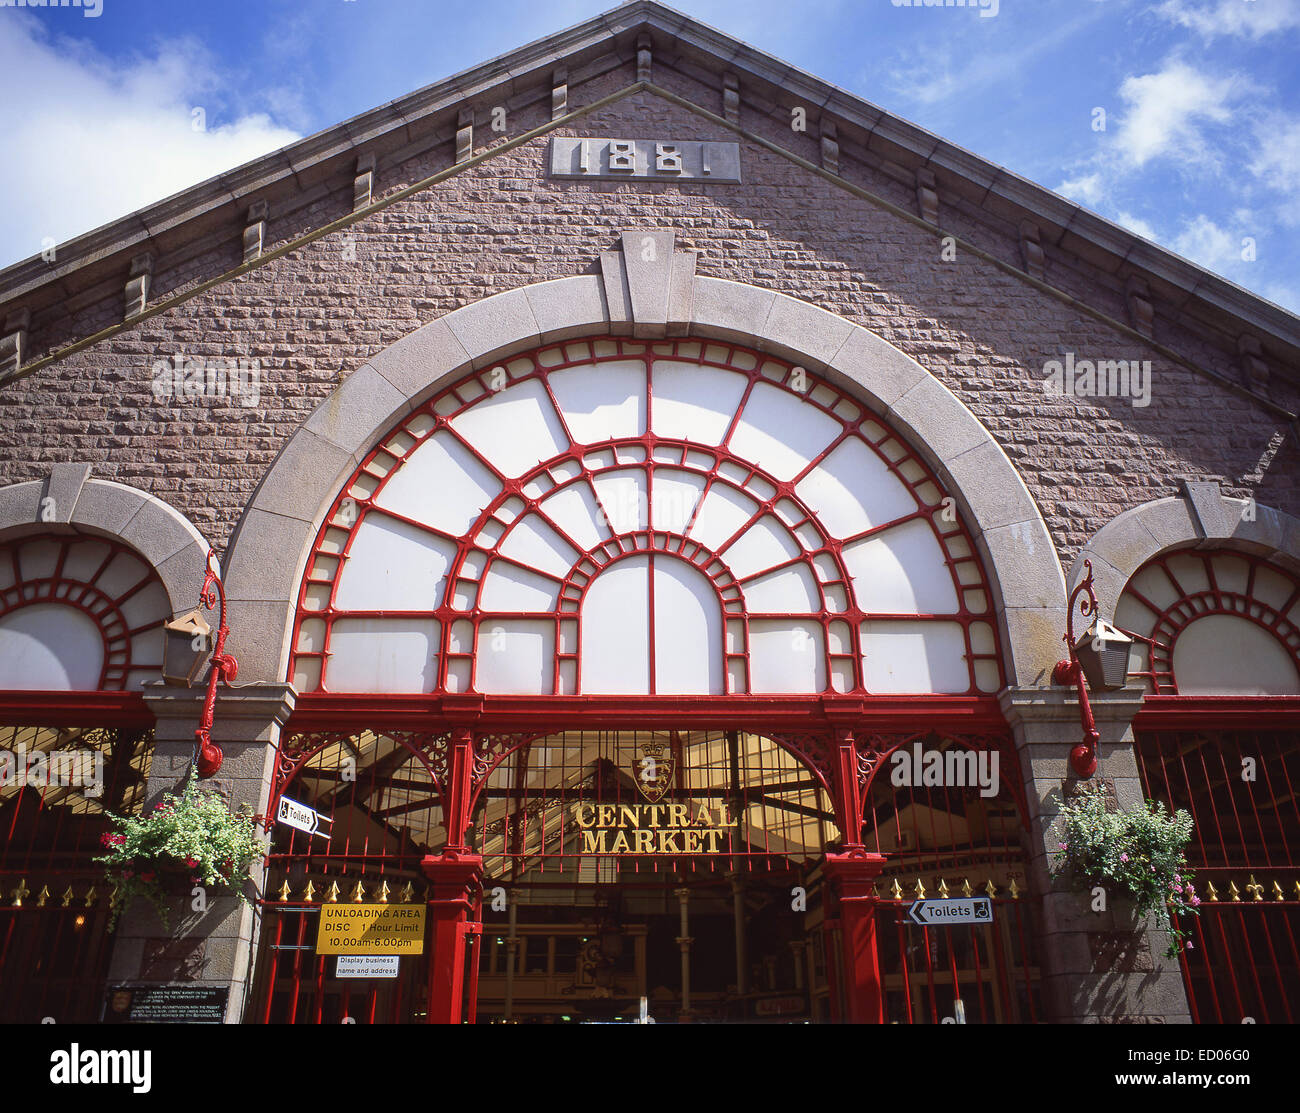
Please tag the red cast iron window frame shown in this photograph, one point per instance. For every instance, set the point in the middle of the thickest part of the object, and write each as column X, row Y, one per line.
column 349, row 509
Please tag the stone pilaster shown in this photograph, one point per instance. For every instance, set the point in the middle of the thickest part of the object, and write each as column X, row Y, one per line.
column 216, row 947
column 1098, row 967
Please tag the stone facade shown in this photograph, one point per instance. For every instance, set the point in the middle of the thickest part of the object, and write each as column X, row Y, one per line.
column 834, row 216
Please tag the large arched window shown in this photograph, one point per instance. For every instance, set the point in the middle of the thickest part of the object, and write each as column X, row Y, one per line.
column 608, row 517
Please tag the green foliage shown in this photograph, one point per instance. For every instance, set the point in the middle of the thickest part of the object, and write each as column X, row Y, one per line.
column 1142, row 853
column 192, row 836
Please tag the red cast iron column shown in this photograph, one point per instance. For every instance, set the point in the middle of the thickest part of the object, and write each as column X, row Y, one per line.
column 851, row 876
column 454, row 882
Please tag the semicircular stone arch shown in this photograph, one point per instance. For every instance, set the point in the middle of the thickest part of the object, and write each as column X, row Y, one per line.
column 1132, row 539
column 89, row 572
column 623, row 517
column 943, row 445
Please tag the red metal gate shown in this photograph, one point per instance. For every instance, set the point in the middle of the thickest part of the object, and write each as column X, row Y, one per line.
column 54, row 903
column 1242, row 963
column 943, row 841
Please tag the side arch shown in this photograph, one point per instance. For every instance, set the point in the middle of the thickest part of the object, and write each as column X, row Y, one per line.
column 1198, row 518
column 271, row 544
column 161, row 534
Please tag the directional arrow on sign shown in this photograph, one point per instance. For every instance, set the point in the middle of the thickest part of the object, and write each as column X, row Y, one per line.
column 293, row 814
column 944, row 913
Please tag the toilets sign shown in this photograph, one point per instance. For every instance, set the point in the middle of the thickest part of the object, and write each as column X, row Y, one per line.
column 945, row 913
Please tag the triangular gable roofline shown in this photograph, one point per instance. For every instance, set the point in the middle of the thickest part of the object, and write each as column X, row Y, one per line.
column 427, row 117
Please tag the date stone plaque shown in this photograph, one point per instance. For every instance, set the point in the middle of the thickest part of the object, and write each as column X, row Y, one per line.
column 645, row 160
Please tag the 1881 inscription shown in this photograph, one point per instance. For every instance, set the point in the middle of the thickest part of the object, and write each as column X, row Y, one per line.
column 652, row 159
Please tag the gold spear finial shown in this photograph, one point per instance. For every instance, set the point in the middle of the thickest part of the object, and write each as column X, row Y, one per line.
column 382, row 895
column 309, row 893
column 19, row 893
column 44, row 895
column 991, row 889
column 407, row 895
column 1211, row 891
column 943, row 888
column 91, row 897
column 896, row 890
column 1255, row 888
column 112, row 897
column 358, row 893
column 67, row 897
column 1014, row 890
column 1277, row 892
column 919, row 890
column 966, row 890
column 1233, row 891
column 285, row 892
column 332, row 896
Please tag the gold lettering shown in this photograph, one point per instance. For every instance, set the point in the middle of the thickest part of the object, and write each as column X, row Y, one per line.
column 654, row 810
column 714, row 837
column 577, row 814
column 645, row 841
column 627, row 816
column 669, row 837
column 594, row 842
column 704, row 819
column 679, row 815
column 620, row 844
column 692, row 841
column 606, row 812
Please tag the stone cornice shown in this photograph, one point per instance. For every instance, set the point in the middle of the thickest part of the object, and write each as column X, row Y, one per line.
column 171, row 228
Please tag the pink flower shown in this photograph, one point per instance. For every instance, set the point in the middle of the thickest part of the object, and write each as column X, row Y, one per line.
column 1195, row 901
column 1123, row 857
column 191, row 863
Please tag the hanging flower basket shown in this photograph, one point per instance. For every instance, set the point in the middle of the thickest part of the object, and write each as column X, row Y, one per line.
column 190, row 839
column 1141, row 853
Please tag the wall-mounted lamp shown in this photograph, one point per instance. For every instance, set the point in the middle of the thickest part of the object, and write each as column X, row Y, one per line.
column 1099, row 660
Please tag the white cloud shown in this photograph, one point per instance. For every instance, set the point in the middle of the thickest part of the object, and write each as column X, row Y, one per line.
column 1138, row 225
column 1167, row 109
column 1205, row 242
column 93, row 140
column 1248, row 18
column 1086, row 189
column 1277, row 158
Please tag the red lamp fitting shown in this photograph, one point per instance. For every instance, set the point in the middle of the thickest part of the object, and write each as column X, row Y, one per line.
column 223, row 668
column 1069, row 673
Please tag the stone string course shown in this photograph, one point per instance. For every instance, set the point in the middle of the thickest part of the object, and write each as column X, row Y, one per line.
column 314, row 316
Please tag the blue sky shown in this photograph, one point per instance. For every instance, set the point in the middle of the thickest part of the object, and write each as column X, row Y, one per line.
column 1200, row 150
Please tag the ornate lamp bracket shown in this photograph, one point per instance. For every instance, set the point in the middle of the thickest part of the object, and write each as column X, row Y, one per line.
column 1069, row 673
column 223, row 667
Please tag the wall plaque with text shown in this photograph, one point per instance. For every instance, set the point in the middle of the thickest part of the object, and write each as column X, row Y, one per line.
column 166, row 1004
column 645, row 159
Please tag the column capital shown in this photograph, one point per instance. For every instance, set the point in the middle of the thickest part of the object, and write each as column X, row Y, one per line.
column 249, row 713
column 452, row 874
column 853, row 872
column 1025, row 706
